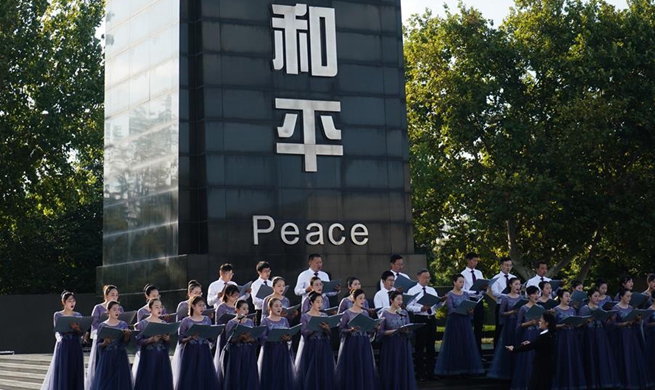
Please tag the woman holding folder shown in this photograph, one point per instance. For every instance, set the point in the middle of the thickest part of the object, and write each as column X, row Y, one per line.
column 315, row 361
column 628, row 345
column 110, row 293
column 396, row 363
column 459, row 352
column 113, row 370
column 66, row 370
column 527, row 330
column 568, row 369
column 153, row 368
column 196, row 367
column 355, row 364
column 275, row 361
column 239, row 358
column 279, row 284
column 317, row 286
column 225, row 309
column 151, row 292
column 347, row 302
column 599, row 364
column 503, row 361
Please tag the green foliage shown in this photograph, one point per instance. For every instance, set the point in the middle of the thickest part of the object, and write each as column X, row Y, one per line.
column 535, row 139
column 51, row 118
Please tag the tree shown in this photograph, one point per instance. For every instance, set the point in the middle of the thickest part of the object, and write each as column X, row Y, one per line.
column 535, row 139
column 51, row 118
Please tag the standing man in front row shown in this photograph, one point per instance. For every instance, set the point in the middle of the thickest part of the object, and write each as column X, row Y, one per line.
column 471, row 274
column 303, row 287
column 264, row 271
column 501, row 287
column 426, row 336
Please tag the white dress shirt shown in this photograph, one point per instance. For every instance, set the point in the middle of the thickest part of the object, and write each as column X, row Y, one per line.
column 381, row 299
column 500, row 285
column 395, row 276
column 536, row 280
column 414, row 307
column 303, row 282
column 255, row 289
column 468, row 280
column 217, row 286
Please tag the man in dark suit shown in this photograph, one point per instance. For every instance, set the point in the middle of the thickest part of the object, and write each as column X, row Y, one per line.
column 543, row 365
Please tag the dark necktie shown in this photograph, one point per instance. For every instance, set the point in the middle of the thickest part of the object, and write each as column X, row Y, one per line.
column 265, row 283
column 506, row 290
column 473, row 276
column 430, row 309
column 542, row 278
column 316, row 274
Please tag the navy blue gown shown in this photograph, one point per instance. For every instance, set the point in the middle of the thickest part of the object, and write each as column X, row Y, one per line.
column 314, row 361
column 113, row 369
column 66, row 371
column 221, row 310
column 523, row 361
column 355, row 363
column 154, row 366
column 275, row 361
column 630, row 353
column 396, row 363
column 568, row 361
column 649, row 333
column 599, row 364
column 502, row 365
column 459, row 351
column 197, row 369
column 239, row 362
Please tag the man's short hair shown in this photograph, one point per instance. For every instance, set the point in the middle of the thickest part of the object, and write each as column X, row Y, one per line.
column 262, row 265
column 227, row 267
column 471, row 255
column 386, row 274
column 313, row 256
column 395, row 257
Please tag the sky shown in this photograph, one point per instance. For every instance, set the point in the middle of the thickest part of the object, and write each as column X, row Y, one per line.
column 491, row 9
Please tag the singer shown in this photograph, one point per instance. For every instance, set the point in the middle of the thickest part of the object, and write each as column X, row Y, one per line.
column 396, row 364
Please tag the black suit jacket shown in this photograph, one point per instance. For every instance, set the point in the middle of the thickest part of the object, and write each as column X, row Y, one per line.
column 543, row 363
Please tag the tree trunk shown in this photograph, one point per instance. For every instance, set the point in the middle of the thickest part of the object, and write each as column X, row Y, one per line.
column 591, row 258
column 514, row 251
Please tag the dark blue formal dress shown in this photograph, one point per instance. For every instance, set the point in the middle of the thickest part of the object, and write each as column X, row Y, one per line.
column 630, row 354
column 113, row 369
column 314, row 361
column 66, row 370
column 459, row 351
column 523, row 361
column 154, row 366
column 599, row 364
column 275, row 361
column 221, row 310
column 355, row 363
column 502, row 365
column 196, row 367
column 239, row 362
column 649, row 333
column 396, row 363
column 569, row 374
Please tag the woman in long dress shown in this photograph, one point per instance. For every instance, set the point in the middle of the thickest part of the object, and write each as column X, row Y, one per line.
column 459, row 352
column 279, row 284
column 110, row 293
column 239, row 358
column 629, row 346
column 197, row 369
column 153, row 370
column 275, row 361
column 568, row 363
column 526, row 331
column 194, row 289
column 355, row 364
column 227, row 306
column 315, row 361
column 396, row 363
column 502, row 365
column 113, row 370
column 66, row 371
column 599, row 363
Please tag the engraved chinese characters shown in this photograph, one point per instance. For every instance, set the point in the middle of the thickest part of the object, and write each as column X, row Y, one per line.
column 294, row 52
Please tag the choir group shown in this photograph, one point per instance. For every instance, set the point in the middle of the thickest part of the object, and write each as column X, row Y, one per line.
column 597, row 341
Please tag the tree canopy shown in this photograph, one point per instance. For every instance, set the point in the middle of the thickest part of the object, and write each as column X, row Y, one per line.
column 535, row 139
column 51, row 118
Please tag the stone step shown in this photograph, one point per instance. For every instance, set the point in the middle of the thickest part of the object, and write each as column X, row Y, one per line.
column 22, row 375
column 21, row 366
column 9, row 384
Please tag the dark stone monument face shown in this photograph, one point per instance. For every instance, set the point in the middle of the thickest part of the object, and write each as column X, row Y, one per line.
column 239, row 131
